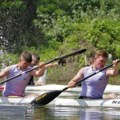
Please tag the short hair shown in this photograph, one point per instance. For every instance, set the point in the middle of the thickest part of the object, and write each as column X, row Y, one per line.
column 27, row 56
column 36, row 56
column 102, row 53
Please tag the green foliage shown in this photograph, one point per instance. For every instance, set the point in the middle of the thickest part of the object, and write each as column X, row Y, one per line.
column 53, row 28
column 8, row 59
column 16, row 25
column 103, row 34
column 12, row 4
column 44, row 54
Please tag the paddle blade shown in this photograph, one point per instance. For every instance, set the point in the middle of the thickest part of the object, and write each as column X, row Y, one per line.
column 46, row 97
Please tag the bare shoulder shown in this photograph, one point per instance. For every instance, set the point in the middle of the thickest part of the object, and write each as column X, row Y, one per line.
column 81, row 70
column 6, row 69
column 4, row 72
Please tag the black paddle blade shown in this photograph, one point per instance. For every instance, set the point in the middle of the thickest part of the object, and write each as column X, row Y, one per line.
column 46, row 97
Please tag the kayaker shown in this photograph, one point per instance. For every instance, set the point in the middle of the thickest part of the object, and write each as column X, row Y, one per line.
column 16, row 86
column 93, row 87
column 42, row 79
column 35, row 61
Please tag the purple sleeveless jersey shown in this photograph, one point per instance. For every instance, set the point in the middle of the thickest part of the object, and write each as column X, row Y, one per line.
column 94, row 86
column 16, row 87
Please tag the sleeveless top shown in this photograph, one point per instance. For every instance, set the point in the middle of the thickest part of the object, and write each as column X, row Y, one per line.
column 94, row 86
column 16, row 86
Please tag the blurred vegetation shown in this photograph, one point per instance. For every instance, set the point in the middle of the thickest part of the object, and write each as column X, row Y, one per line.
column 52, row 28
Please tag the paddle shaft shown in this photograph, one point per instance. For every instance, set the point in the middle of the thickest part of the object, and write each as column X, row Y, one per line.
column 58, row 58
column 77, row 83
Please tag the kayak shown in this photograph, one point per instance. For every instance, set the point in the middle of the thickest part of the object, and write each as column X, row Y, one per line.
column 50, row 87
column 16, row 100
column 62, row 102
column 66, row 98
column 58, row 102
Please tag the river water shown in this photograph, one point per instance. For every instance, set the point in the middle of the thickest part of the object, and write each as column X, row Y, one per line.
column 74, row 113
column 59, row 113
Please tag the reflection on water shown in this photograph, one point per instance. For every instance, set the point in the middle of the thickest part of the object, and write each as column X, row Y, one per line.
column 12, row 112
column 70, row 113
column 91, row 115
column 58, row 113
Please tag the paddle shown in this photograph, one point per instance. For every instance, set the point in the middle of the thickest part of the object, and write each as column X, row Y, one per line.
column 49, row 96
column 58, row 58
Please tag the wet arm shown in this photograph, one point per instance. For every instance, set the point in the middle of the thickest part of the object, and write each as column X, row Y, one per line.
column 114, row 70
column 4, row 72
column 51, row 65
column 39, row 72
column 76, row 78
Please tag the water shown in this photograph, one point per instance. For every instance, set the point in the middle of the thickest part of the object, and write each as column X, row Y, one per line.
column 58, row 113
column 12, row 112
column 71, row 113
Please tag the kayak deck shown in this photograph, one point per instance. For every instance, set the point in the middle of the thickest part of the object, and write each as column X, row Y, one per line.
column 50, row 87
column 71, row 102
column 85, row 103
column 16, row 100
column 68, row 100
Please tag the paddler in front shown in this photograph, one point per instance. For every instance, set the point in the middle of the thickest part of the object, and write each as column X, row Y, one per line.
column 16, row 86
column 94, row 86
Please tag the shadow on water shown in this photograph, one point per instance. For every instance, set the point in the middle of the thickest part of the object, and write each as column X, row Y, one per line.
column 70, row 113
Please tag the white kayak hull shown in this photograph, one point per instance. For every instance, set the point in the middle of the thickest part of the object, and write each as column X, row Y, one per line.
column 68, row 99
column 58, row 102
column 16, row 100
column 50, row 87
column 62, row 102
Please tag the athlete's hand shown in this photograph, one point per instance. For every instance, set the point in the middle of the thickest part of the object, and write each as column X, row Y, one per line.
column 71, row 84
